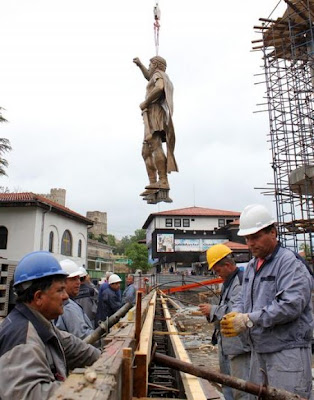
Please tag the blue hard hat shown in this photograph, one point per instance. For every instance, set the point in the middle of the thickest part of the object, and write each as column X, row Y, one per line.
column 35, row 265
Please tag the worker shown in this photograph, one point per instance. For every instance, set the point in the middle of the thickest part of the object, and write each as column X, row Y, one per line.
column 73, row 319
column 87, row 297
column 111, row 297
column 100, row 304
column 157, row 109
column 129, row 293
column 234, row 353
column 35, row 356
column 274, row 307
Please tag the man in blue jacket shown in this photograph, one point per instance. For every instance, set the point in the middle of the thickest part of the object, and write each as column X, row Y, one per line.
column 274, row 308
column 111, row 297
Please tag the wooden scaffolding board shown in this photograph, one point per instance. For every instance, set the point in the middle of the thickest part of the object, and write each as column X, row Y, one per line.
column 143, row 354
column 192, row 385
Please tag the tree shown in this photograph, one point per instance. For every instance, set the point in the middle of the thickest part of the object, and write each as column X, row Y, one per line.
column 112, row 240
column 139, row 255
column 4, row 147
column 307, row 251
column 2, row 119
column 139, row 234
column 122, row 245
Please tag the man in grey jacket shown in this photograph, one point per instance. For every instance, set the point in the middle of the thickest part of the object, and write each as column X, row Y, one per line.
column 274, row 308
column 73, row 320
column 35, row 356
column 234, row 353
column 129, row 293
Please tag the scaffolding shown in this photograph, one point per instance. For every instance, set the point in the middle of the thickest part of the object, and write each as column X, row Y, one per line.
column 287, row 46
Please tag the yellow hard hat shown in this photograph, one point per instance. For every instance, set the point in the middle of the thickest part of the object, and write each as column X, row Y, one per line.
column 216, row 253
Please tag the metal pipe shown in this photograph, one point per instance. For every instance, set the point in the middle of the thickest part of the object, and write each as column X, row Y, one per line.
column 264, row 392
column 103, row 328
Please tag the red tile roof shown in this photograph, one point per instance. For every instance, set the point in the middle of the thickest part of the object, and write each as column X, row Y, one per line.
column 193, row 212
column 236, row 246
column 32, row 199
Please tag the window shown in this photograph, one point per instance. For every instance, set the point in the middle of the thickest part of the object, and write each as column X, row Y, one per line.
column 51, row 242
column 229, row 221
column 3, row 237
column 186, row 223
column 79, row 248
column 221, row 222
column 66, row 244
column 168, row 222
column 177, row 222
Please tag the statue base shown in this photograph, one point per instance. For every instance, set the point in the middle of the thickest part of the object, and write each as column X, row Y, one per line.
column 154, row 196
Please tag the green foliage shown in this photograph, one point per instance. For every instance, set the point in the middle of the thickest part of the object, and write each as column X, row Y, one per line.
column 4, row 147
column 307, row 251
column 111, row 240
column 139, row 255
column 139, row 234
column 121, row 246
column 102, row 238
column 91, row 236
column 2, row 119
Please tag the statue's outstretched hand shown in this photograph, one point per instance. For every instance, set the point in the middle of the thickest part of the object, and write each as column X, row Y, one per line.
column 137, row 61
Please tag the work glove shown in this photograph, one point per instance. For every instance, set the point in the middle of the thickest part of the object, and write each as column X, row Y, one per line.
column 233, row 324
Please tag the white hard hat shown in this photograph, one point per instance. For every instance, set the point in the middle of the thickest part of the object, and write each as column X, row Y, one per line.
column 83, row 272
column 108, row 273
column 254, row 218
column 71, row 268
column 114, row 279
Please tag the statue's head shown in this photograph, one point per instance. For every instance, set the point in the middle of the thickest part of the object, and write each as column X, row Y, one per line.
column 159, row 63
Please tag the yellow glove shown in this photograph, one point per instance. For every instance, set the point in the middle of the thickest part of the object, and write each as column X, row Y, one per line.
column 233, row 324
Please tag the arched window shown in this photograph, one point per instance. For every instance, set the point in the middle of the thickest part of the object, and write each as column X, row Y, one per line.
column 3, row 237
column 79, row 248
column 51, row 242
column 66, row 243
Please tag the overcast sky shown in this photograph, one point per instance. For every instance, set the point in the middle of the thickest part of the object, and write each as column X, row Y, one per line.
column 72, row 94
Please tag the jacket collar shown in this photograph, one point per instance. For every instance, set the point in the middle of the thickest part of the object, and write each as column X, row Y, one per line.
column 41, row 324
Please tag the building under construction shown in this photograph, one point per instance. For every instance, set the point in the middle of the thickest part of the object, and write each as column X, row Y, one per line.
column 287, row 45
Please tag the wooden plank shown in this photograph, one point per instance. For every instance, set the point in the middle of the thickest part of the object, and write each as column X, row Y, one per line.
column 143, row 354
column 192, row 385
column 138, row 317
column 172, row 333
column 127, row 387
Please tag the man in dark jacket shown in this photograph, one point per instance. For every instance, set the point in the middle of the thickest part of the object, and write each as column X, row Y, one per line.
column 35, row 356
column 111, row 297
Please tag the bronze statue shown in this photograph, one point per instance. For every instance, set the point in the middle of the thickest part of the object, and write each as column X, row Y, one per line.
column 157, row 109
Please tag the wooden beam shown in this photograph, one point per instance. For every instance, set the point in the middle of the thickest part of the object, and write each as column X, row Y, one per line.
column 138, row 317
column 192, row 385
column 143, row 353
column 127, row 389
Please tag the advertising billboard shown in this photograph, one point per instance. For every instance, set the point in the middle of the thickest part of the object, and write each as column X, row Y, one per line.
column 165, row 243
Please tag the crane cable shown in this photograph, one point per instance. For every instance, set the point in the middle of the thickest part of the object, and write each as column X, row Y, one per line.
column 156, row 26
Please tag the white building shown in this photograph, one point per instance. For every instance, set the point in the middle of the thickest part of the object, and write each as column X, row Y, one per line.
column 30, row 222
column 179, row 237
